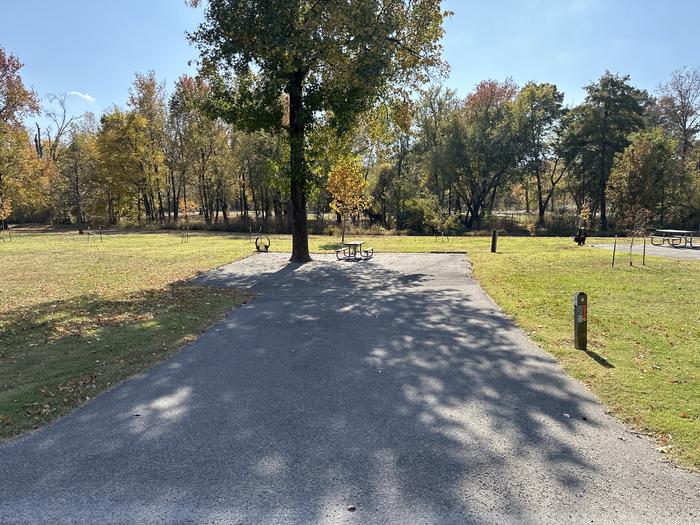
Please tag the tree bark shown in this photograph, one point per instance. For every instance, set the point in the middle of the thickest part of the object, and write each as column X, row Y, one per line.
column 161, row 209
column 603, row 177
column 602, row 183
column 78, row 205
column 541, row 204
column 176, row 195
column 300, row 236
column 526, row 185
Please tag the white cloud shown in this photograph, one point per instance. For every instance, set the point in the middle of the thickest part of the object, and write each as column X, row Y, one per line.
column 84, row 96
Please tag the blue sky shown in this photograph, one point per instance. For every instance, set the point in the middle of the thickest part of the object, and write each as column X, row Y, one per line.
column 95, row 47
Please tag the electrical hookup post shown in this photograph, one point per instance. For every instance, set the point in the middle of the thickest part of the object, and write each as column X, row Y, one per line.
column 580, row 321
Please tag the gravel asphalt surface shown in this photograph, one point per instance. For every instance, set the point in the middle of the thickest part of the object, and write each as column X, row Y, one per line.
column 393, row 387
column 623, row 248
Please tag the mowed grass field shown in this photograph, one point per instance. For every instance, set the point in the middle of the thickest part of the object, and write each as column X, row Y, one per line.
column 643, row 357
column 77, row 317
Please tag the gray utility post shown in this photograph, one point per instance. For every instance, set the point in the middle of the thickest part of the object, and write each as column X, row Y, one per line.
column 580, row 321
column 494, row 241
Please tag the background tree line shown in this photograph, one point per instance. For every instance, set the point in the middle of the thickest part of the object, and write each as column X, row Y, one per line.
column 429, row 160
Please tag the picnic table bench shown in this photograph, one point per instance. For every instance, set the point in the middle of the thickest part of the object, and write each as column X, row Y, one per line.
column 352, row 251
column 674, row 238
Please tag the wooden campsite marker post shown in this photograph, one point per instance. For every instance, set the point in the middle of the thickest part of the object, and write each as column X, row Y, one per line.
column 580, row 321
column 494, row 241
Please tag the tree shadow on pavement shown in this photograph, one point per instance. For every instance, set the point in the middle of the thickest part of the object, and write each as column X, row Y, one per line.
column 394, row 391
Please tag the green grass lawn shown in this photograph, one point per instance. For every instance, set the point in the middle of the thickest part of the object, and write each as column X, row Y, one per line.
column 77, row 317
column 644, row 328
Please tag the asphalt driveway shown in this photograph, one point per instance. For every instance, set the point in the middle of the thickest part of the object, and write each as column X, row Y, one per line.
column 394, row 387
column 679, row 254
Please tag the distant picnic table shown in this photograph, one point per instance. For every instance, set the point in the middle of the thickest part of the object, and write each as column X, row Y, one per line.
column 675, row 238
column 352, row 251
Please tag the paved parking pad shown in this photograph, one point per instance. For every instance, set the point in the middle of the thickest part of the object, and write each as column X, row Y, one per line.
column 680, row 254
column 393, row 386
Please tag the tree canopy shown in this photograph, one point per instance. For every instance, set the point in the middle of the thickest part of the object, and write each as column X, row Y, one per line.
column 198, row 154
column 279, row 63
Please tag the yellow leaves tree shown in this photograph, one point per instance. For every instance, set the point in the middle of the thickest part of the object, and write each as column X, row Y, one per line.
column 24, row 178
column 122, row 146
column 347, row 185
column 646, row 184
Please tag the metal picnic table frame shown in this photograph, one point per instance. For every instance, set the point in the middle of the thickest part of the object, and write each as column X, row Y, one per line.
column 350, row 252
column 675, row 238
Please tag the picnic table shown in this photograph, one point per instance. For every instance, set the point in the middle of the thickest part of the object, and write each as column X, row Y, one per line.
column 352, row 251
column 674, row 238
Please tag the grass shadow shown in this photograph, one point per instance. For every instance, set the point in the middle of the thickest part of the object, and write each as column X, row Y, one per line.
column 408, row 398
column 58, row 354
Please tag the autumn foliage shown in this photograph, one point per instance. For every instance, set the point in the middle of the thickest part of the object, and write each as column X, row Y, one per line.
column 347, row 185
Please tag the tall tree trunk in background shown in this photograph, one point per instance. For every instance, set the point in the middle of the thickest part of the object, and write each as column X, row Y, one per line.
column 110, row 209
column 161, row 209
column 241, row 192
column 243, row 197
column 541, row 204
column 300, row 236
column 602, row 183
column 526, row 185
column 473, row 218
column 224, row 206
column 175, row 188
column 146, row 207
column 78, row 204
column 255, row 201
column 152, row 200
column 168, row 202
column 494, row 193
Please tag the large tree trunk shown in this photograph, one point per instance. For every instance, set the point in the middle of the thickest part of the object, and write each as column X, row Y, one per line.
column 473, row 219
column 300, row 236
